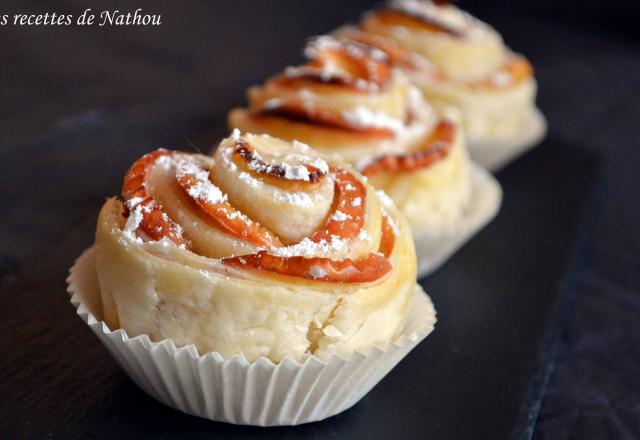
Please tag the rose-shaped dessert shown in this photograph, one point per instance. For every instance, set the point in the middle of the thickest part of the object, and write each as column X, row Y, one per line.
column 264, row 250
column 456, row 59
column 349, row 101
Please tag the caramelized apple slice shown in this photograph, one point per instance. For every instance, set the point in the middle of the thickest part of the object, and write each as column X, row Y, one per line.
column 154, row 223
column 519, row 68
column 367, row 269
column 436, row 147
column 134, row 184
column 343, row 63
column 298, row 112
column 397, row 56
column 364, row 270
column 346, row 221
column 275, row 174
column 388, row 237
column 515, row 70
column 424, row 22
column 221, row 213
column 360, row 61
column 347, row 218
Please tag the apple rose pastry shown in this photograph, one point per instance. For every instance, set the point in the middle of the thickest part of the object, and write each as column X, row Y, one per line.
column 456, row 60
column 349, row 101
column 264, row 249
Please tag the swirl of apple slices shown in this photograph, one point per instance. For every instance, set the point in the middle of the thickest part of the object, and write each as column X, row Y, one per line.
column 421, row 69
column 455, row 60
column 262, row 231
column 462, row 47
column 349, row 101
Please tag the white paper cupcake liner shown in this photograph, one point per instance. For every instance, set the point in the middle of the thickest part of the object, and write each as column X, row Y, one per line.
column 494, row 154
column 233, row 390
column 434, row 249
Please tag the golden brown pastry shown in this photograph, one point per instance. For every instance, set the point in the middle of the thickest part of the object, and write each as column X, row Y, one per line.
column 264, row 249
column 348, row 101
column 457, row 60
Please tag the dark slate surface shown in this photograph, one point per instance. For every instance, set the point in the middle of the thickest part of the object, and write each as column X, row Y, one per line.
column 78, row 106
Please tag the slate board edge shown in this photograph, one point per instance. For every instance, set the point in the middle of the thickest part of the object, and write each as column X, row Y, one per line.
column 569, row 292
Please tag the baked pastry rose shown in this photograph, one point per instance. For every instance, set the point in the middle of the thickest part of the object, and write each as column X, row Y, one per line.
column 264, row 249
column 349, row 101
column 456, row 59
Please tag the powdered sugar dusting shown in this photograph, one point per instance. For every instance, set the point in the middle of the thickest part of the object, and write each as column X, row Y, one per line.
column 316, row 162
column 340, row 216
column 354, row 49
column 450, row 16
column 300, row 199
column 308, row 248
column 296, row 172
column 320, row 164
column 248, row 179
column 307, row 97
column 133, row 222
column 364, row 235
column 291, row 172
column 364, row 117
column 235, row 134
column 203, row 189
column 330, row 69
column 133, row 202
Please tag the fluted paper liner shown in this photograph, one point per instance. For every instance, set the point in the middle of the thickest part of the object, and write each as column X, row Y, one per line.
column 233, row 390
column 495, row 154
column 434, row 249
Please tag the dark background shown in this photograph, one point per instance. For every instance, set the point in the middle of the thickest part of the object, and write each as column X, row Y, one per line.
column 68, row 97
